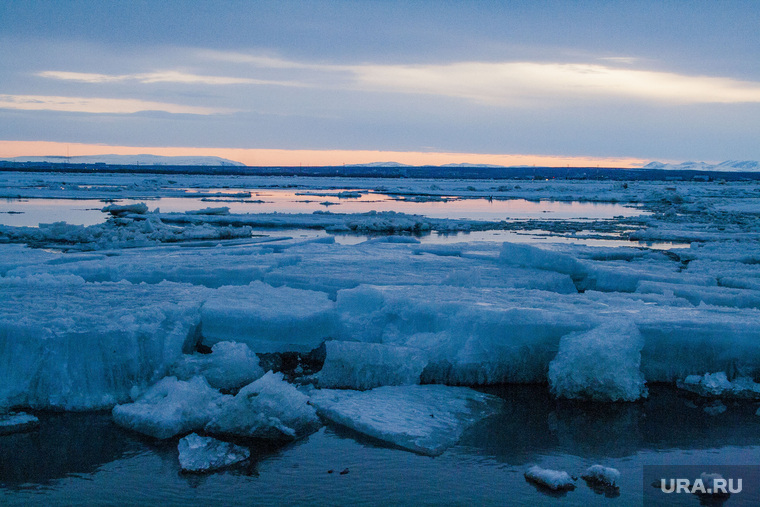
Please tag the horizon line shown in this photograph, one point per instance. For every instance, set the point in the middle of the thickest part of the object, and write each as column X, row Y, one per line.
column 273, row 157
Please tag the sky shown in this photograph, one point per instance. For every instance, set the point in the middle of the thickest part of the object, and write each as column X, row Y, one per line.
column 315, row 82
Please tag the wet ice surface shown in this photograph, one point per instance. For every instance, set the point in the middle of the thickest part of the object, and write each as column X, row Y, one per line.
column 80, row 459
column 576, row 314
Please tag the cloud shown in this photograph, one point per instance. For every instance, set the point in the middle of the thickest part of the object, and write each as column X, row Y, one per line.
column 99, row 105
column 625, row 60
column 157, row 77
column 518, row 83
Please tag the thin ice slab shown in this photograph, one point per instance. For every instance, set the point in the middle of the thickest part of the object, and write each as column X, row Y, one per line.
column 426, row 419
column 199, row 454
column 17, row 422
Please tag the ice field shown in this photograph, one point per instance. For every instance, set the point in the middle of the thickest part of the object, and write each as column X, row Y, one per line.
column 403, row 317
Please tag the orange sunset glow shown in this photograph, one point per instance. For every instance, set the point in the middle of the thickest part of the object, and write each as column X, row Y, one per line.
column 274, row 157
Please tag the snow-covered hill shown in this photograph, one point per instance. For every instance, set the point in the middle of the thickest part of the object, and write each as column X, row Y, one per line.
column 728, row 165
column 130, row 160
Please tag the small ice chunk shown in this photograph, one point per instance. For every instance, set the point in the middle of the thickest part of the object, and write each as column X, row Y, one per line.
column 206, row 454
column 709, row 483
column 267, row 408
column 602, row 364
column 17, row 422
column 715, row 408
column 553, row 479
column 223, row 210
column 229, row 366
column 602, row 475
column 426, row 419
column 171, row 407
column 355, row 365
column 717, row 385
column 124, row 209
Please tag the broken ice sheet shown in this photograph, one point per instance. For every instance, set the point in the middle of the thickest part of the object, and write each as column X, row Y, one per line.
column 427, row 419
column 171, row 407
column 268, row 408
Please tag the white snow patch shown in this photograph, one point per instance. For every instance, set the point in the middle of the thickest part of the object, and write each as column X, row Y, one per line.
column 602, row 475
column 556, row 480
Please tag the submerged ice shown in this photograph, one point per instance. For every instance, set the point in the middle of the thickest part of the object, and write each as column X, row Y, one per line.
column 199, row 454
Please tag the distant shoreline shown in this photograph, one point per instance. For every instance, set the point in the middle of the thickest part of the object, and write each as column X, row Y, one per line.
column 420, row 172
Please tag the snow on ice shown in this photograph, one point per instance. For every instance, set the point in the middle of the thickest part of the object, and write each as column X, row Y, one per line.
column 556, row 480
column 602, row 475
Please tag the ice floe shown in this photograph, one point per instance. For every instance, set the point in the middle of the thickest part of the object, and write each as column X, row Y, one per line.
column 425, row 419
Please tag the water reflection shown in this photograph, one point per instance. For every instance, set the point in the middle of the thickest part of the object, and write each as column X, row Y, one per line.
column 64, row 444
column 85, row 458
column 534, row 423
column 31, row 212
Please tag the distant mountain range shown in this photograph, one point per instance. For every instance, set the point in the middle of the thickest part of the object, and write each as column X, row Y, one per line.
column 728, row 165
column 130, row 160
